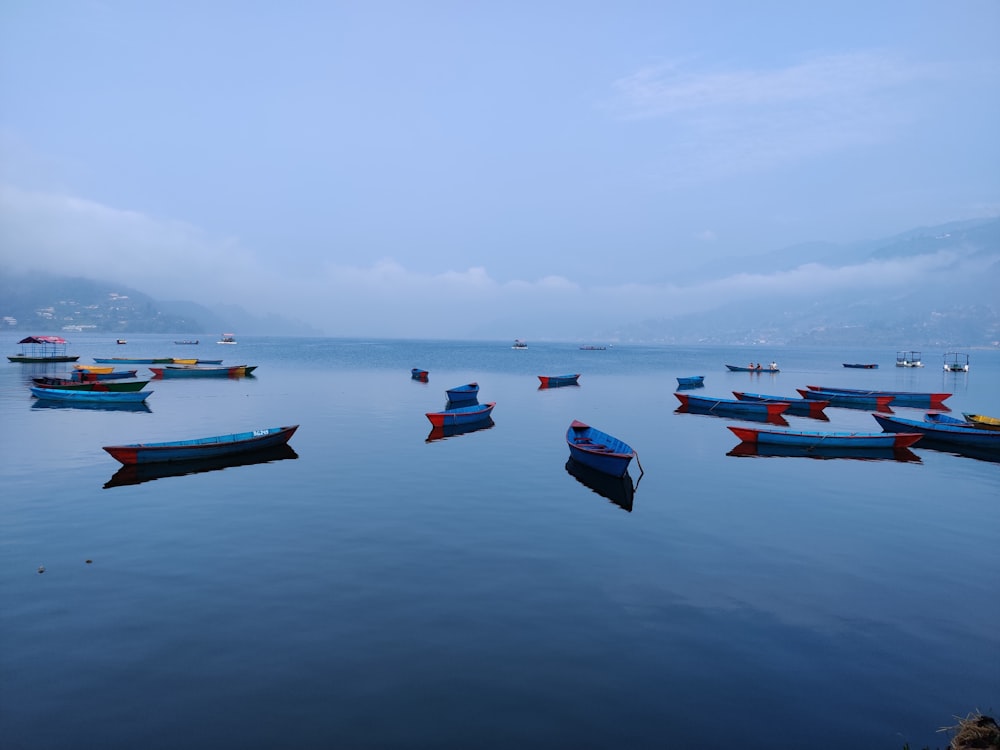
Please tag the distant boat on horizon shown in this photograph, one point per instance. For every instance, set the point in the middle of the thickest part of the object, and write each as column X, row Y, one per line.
column 227, row 338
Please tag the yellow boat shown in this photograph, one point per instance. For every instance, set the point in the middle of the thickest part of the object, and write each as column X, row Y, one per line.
column 981, row 420
column 99, row 369
column 193, row 361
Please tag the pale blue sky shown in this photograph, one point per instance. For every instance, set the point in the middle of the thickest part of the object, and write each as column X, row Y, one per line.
column 390, row 166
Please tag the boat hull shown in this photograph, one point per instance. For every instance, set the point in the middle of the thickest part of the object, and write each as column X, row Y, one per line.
column 119, row 386
column 899, row 398
column 132, row 361
column 849, row 400
column 737, row 368
column 798, row 406
column 89, row 377
column 598, row 450
column 812, row 439
column 944, row 434
column 201, row 448
column 463, row 393
column 861, row 367
column 692, row 381
column 104, row 397
column 732, row 406
column 26, row 359
column 462, row 415
column 982, row 421
column 418, row 374
column 557, row 381
column 198, row 371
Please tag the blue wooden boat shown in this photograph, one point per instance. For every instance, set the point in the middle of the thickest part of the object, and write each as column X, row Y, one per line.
column 86, row 376
column 187, row 343
column 463, row 393
column 202, row 371
column 692, row 381
column 598, row 450
column 418, row 374
column 944, row 434
column 618, row 490
column 857, row 366
column 732, row 406
column 139, row 473
column 94, row 385
column 202, row 448
column 849, row 400
column 102, row 397
column 556, row 381
column 798, row 406
column 737, row 368
column 461, row 415
column 899, row 398
column 813, row 439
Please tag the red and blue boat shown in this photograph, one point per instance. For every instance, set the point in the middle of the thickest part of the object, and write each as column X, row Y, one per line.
column 557, row 381
column 732, row 406
column 798, row 406
column 849, row 400
column 86, row 376
column 94, row 385
column 417, row 374
column 899, row 398
column 461, row 415
column 202, row 448
column 202, row 371
column 815, row 439
column 598, row 450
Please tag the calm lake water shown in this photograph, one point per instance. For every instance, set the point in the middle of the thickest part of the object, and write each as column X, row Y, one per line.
column 381, row 590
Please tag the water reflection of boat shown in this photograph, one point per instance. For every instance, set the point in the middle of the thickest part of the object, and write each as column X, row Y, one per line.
column 447, row 431
column 140, row 406
column 618, row 490
column 710, row 412
column 139, row 473
column 858, row 454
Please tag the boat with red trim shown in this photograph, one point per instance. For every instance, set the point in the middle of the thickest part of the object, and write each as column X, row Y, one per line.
column 900, row 398
column 202, row 448
column 816, row 439
column 598, row 450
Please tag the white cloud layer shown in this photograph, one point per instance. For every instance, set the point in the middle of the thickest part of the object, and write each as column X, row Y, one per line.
column 172, row 260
